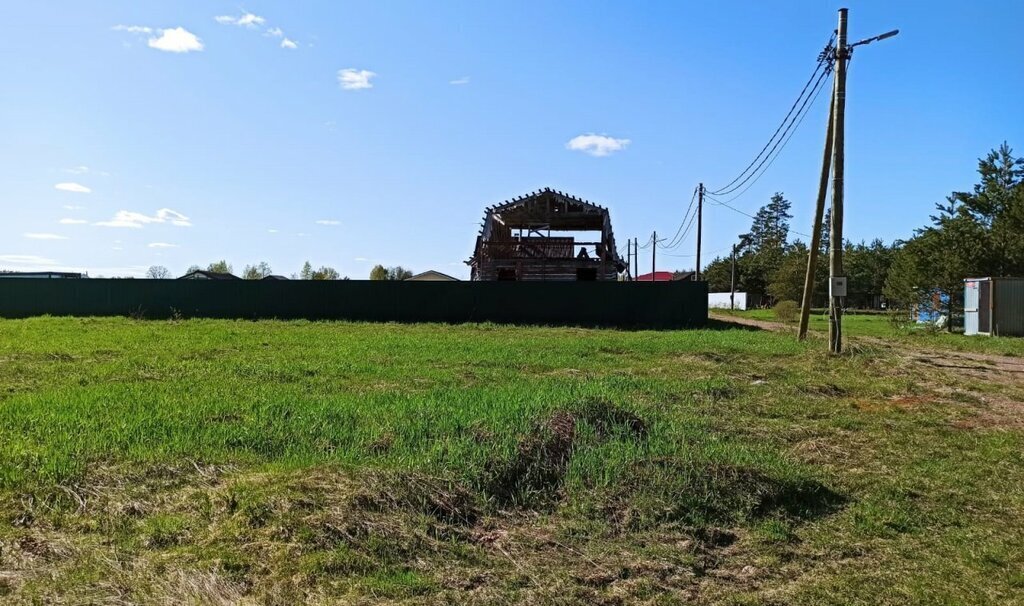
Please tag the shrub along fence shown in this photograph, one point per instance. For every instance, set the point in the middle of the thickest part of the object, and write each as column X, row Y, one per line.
column 622, row 304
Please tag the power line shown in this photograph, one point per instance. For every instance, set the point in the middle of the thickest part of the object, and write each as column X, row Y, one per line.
column 746, row 214
column 710, row 252
column 685, row 232
column 800, row 119
column 675, row 238
column 824, row 59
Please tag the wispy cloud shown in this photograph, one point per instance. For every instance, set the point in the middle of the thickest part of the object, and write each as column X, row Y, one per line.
column 355, row 79
column 328, row 222
column 246, row 19
column 133, row 29
column 135, row 220
column 272, row 231
column 161, row 245
column 176, row 40
column 459, row 81
column 251, row 21
column 597, row 145
column 361, row 259
column 73, row 207
column 32, row 260
column 39, row 236
column 84, row 170
column 72, row 221
column 78, row 188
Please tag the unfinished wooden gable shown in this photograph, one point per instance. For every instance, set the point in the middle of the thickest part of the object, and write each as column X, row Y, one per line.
column 546, row 235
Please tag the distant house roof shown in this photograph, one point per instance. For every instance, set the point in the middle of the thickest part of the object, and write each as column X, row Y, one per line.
column 202, row 274
column 432, row 276
column 274, row 277
column 658, row 276
column 680, row 276
column 42, row 274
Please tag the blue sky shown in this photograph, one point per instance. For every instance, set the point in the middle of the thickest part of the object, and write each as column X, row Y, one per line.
column 245, row 138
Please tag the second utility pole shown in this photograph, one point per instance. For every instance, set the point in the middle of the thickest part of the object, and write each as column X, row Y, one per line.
column 636, row 260
column 700, row 219
column 837, row 286
column 819, row 210
column 654, row 255
column 629, row 258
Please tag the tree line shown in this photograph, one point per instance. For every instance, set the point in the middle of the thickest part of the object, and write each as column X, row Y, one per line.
column 975, row 233
column 769, row 264
column 262, row 269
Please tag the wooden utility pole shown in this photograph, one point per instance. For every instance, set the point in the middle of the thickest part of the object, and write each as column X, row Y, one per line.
column 700, row 219
column 732, row 281
column 629, row 259
column 819, row 210
column 654, row 254
column 636, row 259
column 837, row 287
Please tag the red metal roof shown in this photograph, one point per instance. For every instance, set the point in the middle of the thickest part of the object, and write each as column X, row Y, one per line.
column 659, row 276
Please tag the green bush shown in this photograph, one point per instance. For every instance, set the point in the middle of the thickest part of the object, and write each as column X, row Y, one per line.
column 787, row 311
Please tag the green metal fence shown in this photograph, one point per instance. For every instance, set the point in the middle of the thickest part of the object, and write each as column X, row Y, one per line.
column 623, row 304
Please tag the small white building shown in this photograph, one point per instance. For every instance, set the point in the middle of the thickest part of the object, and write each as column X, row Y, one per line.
column 723, row 300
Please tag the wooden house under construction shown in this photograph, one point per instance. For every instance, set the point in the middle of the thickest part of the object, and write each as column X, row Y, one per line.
column 546, row 235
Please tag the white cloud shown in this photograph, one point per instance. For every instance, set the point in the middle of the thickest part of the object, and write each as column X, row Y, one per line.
column 26, row 260
column 83, row 170
column 73, row 187
column 274, row 32
column 161, row 245
column 271, row 231
column 355, row 79
column 328, row 222
column 73, row 207
column 290, row 45
column 459, row 81
column 177, row 40
column 597, row 145
column 39, row 236
column 72, row 221
column 135, row 220
column 361, row 259
column 245, row 20
column 133, row 29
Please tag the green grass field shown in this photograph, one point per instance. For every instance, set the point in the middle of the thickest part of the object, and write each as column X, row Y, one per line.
column 207, row 461
column 917, row 336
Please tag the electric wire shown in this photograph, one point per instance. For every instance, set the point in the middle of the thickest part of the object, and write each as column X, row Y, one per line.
column 746, row 214
column 686, row 215
column 779, row 145
column 825, row 59
column 788, row 127
column 811, row 100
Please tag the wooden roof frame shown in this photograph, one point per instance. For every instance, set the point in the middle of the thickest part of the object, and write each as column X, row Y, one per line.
column 578, row 215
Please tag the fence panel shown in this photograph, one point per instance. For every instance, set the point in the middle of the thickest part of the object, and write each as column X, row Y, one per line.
column 625, row 304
